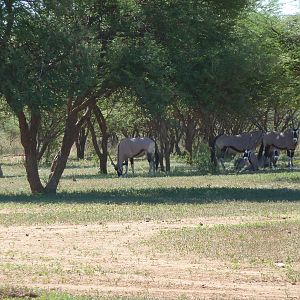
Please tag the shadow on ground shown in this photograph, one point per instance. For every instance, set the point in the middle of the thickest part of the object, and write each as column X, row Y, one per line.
column 199, row 195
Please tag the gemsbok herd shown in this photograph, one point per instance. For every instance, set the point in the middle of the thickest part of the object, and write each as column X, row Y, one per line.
column 270, row 145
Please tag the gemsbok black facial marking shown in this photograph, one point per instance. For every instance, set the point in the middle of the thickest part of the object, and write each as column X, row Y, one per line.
column 295, row 135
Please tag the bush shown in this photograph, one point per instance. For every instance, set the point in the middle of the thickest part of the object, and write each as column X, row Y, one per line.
column 202, row 160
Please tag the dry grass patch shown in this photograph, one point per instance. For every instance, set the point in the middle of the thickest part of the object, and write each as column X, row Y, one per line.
column 17, row 293
column 271, row 244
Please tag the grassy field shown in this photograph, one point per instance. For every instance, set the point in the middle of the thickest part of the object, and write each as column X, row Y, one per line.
column 241, row 221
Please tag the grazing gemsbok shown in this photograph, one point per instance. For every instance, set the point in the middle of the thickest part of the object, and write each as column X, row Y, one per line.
column 287, row 140
column 272, row 159
column 233, row 144
column 248, row 160
column 130, row 148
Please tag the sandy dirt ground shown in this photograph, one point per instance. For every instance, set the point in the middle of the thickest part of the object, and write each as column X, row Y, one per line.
column 113, row 259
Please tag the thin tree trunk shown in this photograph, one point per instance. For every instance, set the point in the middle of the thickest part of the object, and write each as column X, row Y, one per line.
column 189, row 136
column 60, row 162
column 103, row 157
column 102, row 160
column 104, row 141
column 80, row 142
column 168, row 162
column 42, row 150
column 1, row 172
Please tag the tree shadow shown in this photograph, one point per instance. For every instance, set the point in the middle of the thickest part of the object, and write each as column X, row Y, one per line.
column 201, row 195
column 177, row 173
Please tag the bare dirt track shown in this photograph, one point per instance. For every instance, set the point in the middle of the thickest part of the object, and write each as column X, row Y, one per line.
column 112, row 259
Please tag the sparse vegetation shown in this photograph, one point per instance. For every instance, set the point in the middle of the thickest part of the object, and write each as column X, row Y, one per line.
column 254, row 221
column 270, row 244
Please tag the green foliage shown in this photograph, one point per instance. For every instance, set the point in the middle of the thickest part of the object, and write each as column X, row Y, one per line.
column 142, row 65
column 48, row 57
column 9, row 131
column 123, row 114
column 202, row 160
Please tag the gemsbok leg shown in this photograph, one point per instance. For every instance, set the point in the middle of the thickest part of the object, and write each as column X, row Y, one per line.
column 150, row 158
column 132, row 165
column 126, row 168
column 222, row 157
column 290, row 154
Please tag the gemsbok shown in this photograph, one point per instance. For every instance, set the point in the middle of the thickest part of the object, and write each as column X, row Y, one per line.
column 248, row 161
column 129, row 148
column 287, row 140
column 273, row 158
column 233, row 144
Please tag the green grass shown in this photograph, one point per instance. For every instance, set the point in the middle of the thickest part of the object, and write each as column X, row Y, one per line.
column 94, row 198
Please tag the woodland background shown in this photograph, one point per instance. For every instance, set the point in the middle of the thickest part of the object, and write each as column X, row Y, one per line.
column 83, row 72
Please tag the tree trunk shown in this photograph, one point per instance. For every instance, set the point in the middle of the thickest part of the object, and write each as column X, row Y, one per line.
column 168, row 162
column 166, row 139
column 81, row 142
column 1, row 172
column 59, row 163
column 101, row 155
column 177, row 141
column 103, row 164
column 161, row 161
column 101, row 151
column 189, row 136
column 189, row 147
column 29, row 142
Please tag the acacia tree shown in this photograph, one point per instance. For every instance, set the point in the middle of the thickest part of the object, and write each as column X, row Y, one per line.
column 47, row 60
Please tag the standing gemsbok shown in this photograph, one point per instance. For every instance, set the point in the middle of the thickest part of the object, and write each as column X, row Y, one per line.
column 233, row 144
column 287, row 140
column 129, row 148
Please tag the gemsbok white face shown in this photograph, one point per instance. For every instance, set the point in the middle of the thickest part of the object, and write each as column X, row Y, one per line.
column 276, row 155
column 246, row 155
column 295, row 132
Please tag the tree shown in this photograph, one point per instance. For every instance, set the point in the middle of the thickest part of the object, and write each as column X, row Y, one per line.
column 48, row 45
